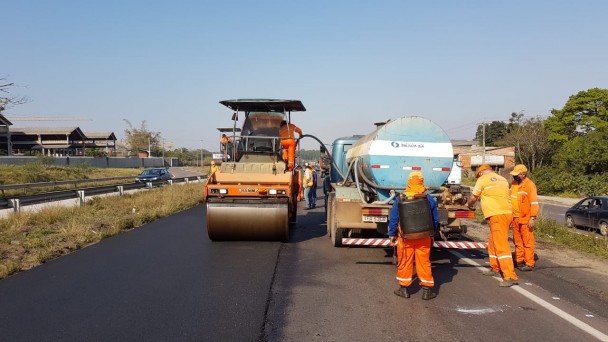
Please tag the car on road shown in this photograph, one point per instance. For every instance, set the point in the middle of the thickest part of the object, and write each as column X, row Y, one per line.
column 154, row 175
column 590, row 212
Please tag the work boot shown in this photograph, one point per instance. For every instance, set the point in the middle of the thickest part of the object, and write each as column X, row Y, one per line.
column 526, row 268
column 520, row 265
column 402, row 292
column 427, row 294
column 491, row 273
column 507, row 282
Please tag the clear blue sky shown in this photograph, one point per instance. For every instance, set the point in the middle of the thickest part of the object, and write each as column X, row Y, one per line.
column 351, row 63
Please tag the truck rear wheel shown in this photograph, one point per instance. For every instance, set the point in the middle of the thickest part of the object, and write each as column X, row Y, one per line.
column 328, row 212
column 335, row 234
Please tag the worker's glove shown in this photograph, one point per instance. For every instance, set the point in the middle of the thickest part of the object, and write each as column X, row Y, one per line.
column 393, row 239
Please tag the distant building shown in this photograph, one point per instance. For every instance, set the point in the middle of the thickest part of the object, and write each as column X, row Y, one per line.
column 471, row 156
column 59, row 141
column 101, row 141
column 5, row 136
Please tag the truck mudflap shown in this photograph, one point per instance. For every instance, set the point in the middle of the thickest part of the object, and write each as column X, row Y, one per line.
column 436, row 244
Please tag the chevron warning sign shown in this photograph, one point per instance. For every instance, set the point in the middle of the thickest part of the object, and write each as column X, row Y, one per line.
column 436, row 244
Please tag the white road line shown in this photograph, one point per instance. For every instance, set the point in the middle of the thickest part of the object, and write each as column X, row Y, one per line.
column 557, row 311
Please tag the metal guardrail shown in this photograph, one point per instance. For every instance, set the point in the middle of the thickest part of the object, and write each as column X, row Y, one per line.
column 64, row 182
column 16, row 202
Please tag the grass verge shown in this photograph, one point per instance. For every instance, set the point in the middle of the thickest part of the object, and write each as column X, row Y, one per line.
column 29, row 239
column 549, row 231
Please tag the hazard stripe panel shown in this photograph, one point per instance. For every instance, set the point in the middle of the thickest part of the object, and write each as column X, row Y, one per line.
column 436, row 244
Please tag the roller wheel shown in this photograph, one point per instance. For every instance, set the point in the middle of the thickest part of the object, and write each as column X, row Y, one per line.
column 293, row 210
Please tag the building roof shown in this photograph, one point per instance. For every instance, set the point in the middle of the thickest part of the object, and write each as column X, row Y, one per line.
column 45, row 130
column 74, row 132
column 100, row 135
column 4, row 121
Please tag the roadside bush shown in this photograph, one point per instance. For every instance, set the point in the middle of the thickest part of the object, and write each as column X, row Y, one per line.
column 552, row 181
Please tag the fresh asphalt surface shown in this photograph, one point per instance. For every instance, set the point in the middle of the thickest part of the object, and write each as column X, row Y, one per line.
column 166, row 281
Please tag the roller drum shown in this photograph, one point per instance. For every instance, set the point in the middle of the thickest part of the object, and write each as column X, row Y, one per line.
column 248, row 221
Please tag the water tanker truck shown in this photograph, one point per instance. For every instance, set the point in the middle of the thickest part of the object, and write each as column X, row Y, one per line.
column 368, row 173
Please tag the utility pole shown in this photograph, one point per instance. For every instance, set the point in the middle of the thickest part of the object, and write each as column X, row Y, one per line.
column 483, row 134
column 149, row 148
column 202, row 156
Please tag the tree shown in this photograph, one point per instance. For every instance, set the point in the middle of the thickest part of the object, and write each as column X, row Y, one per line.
column 494, row 133
column 5, row 99
column 583, row 113
column 584, row 154
column 141, row 139
column 530, row 139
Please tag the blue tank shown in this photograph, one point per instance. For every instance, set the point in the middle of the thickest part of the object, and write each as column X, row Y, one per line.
column 395, row 149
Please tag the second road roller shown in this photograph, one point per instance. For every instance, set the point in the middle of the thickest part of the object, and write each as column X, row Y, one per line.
column 253, row 196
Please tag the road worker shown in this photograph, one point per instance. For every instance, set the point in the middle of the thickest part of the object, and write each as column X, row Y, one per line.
column 288, row 142
column 214, row 169
column 413, row 247
column 493, row 191
column 524, row 200
column 224, row 141
column 308, row 186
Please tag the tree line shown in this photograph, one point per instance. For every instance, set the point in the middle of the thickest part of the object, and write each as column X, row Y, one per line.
column 566, row 152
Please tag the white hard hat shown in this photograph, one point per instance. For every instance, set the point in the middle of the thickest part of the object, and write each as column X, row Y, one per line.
column 305, row 164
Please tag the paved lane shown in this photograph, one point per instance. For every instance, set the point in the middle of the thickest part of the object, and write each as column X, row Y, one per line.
column 162, row 282
column 323, row 293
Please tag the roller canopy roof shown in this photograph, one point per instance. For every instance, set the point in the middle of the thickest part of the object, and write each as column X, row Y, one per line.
column 264, row 105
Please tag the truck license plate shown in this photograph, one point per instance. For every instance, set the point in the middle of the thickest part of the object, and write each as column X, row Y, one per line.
column 367, row 218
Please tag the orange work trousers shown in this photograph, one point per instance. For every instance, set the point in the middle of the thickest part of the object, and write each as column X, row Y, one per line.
column 499, row 249
column 407, row 251
column 289, row 152
column 523, row 238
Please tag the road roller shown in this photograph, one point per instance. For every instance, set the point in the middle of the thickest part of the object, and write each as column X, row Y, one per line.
column 253, row 196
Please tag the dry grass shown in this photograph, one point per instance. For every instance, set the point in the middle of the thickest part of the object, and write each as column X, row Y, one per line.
column 548, row 230
column 29, row 239
column 40, row 172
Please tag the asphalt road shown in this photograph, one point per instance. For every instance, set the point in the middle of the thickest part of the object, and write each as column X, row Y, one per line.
column 166, row 281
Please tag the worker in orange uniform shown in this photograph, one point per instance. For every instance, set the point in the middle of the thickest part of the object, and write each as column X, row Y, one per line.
column 524, row 200
column 493, row 191
column 412, row 248
column 288, row 142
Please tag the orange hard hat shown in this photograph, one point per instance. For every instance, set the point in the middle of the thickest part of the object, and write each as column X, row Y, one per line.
column 482, row 168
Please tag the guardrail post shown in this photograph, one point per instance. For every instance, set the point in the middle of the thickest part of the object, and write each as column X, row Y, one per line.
column 198, row 178
column 15, row 204
column 149, row 185
column 170, row 181
column 121, row 190
column 81, row 197
column 187, row 179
